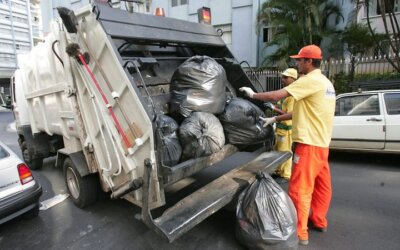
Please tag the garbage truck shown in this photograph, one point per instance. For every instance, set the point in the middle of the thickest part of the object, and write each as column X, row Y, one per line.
column 90, row 94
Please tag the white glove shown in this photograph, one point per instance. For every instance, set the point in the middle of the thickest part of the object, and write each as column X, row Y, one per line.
column 248, row 91
column 268, row 121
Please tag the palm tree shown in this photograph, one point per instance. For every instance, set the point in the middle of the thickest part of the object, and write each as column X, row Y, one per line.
column 296, row 23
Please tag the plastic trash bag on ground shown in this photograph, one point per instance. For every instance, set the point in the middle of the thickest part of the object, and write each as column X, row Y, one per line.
column 199, row 84
column 201, row 134
column 266, row 216
column 171, row 149
column 242, row 125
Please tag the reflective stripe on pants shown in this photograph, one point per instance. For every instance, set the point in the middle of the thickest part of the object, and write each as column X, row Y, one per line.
column 283, row 142
column 310, row 186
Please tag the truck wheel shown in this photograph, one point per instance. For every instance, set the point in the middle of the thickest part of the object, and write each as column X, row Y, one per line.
column 83, row 190
column 33, row 164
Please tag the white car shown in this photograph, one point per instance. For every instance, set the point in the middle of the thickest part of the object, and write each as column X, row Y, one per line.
column 367, row 121
column 19, row 192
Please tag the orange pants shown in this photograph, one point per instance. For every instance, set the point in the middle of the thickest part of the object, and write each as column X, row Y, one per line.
column 310, row 186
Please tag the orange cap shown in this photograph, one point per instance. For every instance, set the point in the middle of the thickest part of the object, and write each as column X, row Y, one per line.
column 309, row 51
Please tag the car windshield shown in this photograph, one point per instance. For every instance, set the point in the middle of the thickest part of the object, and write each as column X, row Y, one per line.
column 357, row 105
column 3, row 153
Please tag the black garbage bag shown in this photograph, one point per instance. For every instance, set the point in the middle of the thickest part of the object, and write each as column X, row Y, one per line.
column 171, row 148
column 242, row 125
column 201, row 134
column 266, row 216
column 198, row 84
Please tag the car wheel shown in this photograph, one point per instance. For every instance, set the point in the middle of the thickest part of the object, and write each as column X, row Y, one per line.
column 33, row 164
column 83, row 190
column 31, row 213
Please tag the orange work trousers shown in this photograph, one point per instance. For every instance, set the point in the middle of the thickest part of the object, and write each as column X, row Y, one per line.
column 310, row 187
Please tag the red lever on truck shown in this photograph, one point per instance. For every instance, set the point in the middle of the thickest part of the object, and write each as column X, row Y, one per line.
column 105, row 100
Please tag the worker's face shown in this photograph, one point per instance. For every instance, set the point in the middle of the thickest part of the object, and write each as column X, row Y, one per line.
column 286, row 80
column 303, row 65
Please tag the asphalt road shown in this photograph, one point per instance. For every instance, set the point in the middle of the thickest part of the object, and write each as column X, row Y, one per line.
column 364, row 214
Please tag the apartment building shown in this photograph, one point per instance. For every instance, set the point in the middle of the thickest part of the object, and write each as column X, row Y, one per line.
column 20, row 28
column 15, row 35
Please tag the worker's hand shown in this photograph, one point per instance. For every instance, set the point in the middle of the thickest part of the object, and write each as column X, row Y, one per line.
column 248, row 91
column 269, row 105
column 268, row 121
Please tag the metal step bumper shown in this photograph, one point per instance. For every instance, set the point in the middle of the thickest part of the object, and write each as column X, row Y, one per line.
column 199, row 205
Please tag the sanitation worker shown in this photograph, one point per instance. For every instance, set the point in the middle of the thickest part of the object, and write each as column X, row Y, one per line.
column 283, row 131
column 312, row 118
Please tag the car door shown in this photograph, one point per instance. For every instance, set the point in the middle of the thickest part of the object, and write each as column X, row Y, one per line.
column 359, row 122
column 392, row 104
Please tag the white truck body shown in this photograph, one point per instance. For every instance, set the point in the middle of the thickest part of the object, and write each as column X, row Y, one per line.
column 83, row 119
column 61, row 109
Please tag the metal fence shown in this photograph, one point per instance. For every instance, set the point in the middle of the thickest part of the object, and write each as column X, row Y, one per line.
column 264, row 79
column 369, row 72
column 362, row 65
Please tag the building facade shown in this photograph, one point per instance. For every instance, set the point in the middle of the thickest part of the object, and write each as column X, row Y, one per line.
column 49, row 10
column 20, row 28
column 377, row 23
column 15, row 35
column 237, row 19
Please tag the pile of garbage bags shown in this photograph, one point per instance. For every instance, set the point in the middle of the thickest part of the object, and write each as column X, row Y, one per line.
column 208, row 119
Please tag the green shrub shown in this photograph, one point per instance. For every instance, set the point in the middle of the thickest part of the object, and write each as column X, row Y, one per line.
column 341, row 83
column 376, row 77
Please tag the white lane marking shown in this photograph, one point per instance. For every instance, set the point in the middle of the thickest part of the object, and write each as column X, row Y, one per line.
column 44, row 205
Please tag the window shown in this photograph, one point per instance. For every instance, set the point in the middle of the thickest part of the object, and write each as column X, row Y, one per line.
column 175, row 3
column 265, row 35
column 392, row 101
column 6, row 46
column 391, row 6
column 357, row 105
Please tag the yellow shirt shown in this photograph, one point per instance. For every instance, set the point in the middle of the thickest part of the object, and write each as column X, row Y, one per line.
column 313, row 110
column 286, row 105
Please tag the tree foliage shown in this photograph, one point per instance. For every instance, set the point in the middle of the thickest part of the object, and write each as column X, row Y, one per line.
column 358, row 38
column 391, row 27
column 296, row 23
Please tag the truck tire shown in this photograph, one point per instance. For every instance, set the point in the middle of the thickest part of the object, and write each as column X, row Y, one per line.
column 33, row 164
column 83, row 190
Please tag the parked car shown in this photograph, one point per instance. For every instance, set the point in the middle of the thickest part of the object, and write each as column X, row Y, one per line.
column 19, row 192
column 367, row 121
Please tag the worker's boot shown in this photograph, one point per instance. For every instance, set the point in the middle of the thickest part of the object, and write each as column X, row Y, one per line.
column 315, row 228
column 303, row 242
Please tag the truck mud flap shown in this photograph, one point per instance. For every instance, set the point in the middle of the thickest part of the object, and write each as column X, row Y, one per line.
column 204, row 202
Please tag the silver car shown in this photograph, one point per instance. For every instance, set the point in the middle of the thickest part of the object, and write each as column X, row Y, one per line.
column 19, row 192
